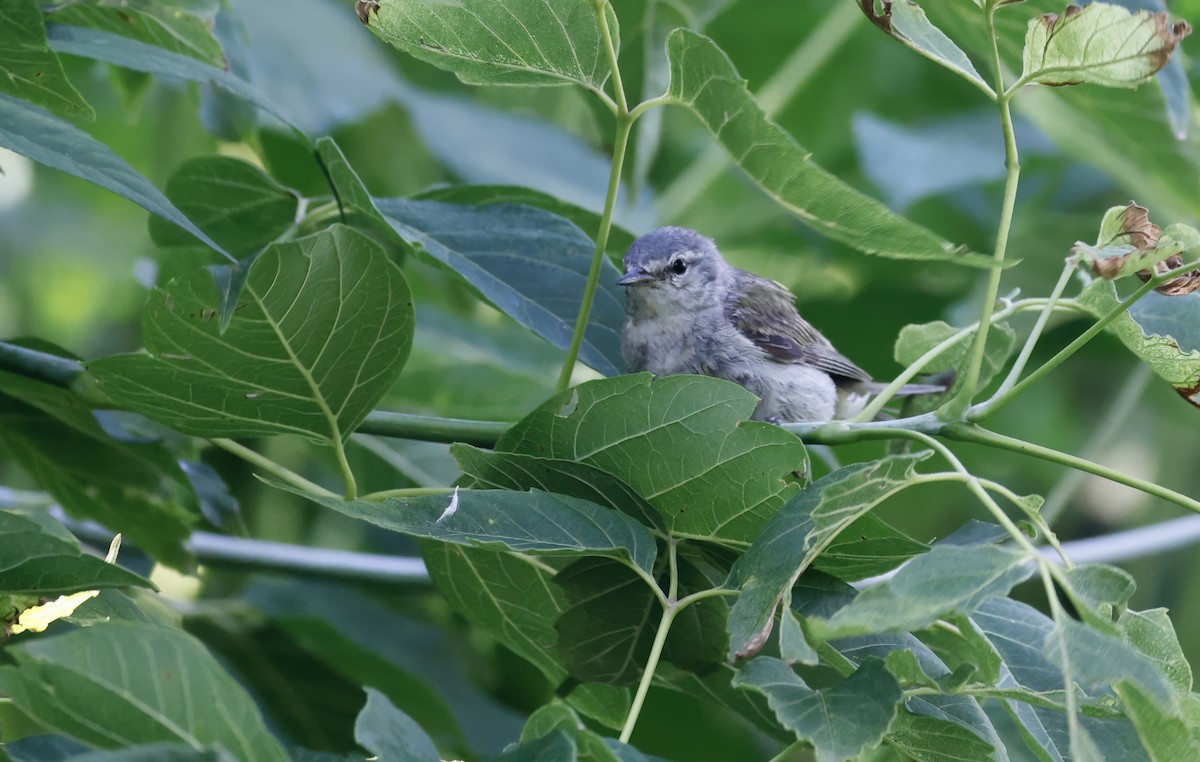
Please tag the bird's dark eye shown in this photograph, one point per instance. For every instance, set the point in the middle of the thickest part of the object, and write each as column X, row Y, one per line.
column 679, row 267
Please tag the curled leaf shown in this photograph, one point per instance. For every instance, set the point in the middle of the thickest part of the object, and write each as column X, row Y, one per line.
column 907, row 22
column 1101, row 43
column 1129, row 243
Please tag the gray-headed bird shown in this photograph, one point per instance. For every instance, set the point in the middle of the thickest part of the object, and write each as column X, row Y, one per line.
column 690, row 311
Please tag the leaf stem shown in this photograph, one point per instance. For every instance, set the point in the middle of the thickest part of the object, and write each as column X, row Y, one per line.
column 885, row 396
column 1000, row 400
column 280, row 472
column 639, row 698
column 620, row 143
column 407, row 492
column 351, row 486
column 1026, row 351
column 956, row 407
column 971, row 433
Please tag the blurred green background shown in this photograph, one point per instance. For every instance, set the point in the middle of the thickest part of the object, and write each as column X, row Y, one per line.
column 76, row 261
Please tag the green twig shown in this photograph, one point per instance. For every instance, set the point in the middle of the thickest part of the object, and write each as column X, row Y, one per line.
column 431, row 429
column 1026, row 351
column 671, row 608
column 1000, row 400
column 956, row 407
column 284, row 474
column 407, row 492
column 620, row 144
column 972, row 433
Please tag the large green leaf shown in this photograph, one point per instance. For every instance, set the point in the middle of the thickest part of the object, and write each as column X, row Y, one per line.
column 28, row 69
column 604, row 635
column 323, row 328
column 947, row 579
column 35, row 562
column 390, row 734
column 526, row 522
column 515, row 42
column 136, row 488
column 841, row 721
column 238, row 204
column 119, row 684
column 513, row 471
column 704, row 80
column 1101, row 43
column 532, row 264
column 505, row 595
column 33, row 132
column 802, row 530
column 1160, row 330
column 157, row 24
column 682, row 442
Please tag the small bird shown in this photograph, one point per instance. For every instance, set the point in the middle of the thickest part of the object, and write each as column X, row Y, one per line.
column 690, row 311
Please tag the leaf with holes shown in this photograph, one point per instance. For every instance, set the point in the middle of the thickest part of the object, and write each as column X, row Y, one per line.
column 514, row 42
column 323, row 327
column 682, row 442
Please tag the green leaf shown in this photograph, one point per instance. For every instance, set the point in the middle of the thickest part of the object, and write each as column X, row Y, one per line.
column 520, row 42
column 557, row 718
column 30, row 131
column 531, row 264
column 28, row 69
column 1101, row 43
column 1100, row 592
column 1152, row 633
column 907, row 22
column 155, row 24
column 868, row 547
column 682, row 442
column 619, row 239
column 605, row 634
column 138, row 56
column 870, row 696
column 793, row 644
column 704, row 80
column 512, row 471
column 506, row 596
column 236, row 203
column 389, row 734
column 1160, row 330
column 916, row 340
column 947, row 579
column 119, row 684
column 555, row 747
column 136, row 488
column 932, row 739
column 34, row 562
column 800, row 532
column 1166, row 736
column 352, row 196
column 323, row 328
column 525, row 522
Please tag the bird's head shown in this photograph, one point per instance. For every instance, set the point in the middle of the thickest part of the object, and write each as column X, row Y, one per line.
column 675, row 266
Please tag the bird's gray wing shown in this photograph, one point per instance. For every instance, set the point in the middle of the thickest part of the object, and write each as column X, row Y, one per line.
column 765, row 312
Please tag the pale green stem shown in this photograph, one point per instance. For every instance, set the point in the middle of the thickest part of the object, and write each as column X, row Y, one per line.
column 671, row 608
column 1059, row 615
column 339, row 449
column 407, row 492
column 818, row 46
column 1000, row 400
column 284, row 474
column 620, row 144
column 1036, row 333
column 1114, row 422
column 955, row 408
column 1034, row 516
column 908, row 374
column 973, row 433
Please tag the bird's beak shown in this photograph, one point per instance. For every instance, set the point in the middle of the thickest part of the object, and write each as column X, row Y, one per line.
column 638, row 277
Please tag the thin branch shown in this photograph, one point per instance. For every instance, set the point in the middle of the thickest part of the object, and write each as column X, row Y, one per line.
column 284, row 474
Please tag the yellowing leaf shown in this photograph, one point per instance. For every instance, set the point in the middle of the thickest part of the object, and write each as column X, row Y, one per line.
column 1102, row 44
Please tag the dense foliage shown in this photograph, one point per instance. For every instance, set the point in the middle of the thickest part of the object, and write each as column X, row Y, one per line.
column 379, row 319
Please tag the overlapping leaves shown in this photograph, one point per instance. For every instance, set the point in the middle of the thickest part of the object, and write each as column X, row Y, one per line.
column 323, row 327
